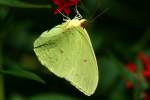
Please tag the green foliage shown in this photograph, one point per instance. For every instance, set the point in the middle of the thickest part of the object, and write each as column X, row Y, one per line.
column 15, row 70
column 21, row 4
column 44, row 96
column 52, row 96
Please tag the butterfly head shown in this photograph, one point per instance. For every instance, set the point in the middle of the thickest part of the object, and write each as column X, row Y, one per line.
column 77, row 22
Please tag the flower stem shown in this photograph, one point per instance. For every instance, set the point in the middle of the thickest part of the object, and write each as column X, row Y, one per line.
column 1, row 77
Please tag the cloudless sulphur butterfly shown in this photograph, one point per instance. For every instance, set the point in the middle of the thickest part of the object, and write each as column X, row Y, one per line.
column 66, row 51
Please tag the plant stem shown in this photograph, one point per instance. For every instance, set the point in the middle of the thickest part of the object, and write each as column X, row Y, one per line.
column 1, row 76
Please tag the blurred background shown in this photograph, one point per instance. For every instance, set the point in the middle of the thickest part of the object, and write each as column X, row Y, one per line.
column 120, row 37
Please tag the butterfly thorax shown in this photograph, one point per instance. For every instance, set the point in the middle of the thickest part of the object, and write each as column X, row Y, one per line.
column 76, row 23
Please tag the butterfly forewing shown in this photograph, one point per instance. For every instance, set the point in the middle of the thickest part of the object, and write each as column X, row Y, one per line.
column 68, row 53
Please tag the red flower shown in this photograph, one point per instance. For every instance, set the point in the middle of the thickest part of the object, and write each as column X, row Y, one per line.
column 131, row 67
column 146, row 96
column 129, row 85
column 146, row 62
column 64, row 6
column 146, row 71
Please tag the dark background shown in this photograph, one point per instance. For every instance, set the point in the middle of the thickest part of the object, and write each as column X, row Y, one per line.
column 118, row 35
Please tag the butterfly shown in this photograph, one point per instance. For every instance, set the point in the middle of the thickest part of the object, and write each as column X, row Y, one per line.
column 66, row 51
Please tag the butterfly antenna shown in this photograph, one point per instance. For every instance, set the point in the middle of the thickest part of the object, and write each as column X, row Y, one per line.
column 65, row 18
column 78, row 15
column 86, row 9
column 99, row 15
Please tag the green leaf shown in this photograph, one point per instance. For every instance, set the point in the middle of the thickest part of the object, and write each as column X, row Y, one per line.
column 53, row 96
column 109, row 73
column 3, row 12
column 19, row 72
column 23, row 74
column 21, row 4
column 118, row 93
column 16, row 97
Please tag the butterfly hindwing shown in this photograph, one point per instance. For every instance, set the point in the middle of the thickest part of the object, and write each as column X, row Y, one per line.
column 68, row 53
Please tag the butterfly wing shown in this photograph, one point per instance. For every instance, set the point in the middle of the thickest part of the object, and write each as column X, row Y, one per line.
column 68, row 53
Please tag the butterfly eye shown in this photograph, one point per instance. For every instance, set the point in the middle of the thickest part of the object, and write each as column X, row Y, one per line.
column 84, row 23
